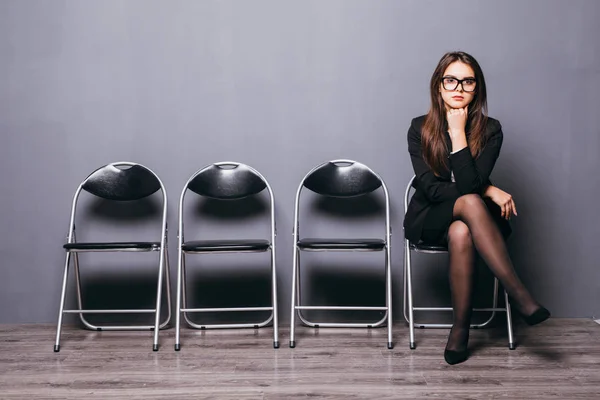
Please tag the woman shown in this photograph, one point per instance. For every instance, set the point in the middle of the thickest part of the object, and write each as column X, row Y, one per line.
column 453, row 150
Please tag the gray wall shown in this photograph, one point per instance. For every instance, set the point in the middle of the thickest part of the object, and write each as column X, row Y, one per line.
column 283, row 86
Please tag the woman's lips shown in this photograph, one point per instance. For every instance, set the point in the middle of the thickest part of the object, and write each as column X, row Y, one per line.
column 457, row 97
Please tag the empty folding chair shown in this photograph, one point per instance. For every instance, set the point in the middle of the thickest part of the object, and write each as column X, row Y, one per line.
column 225, row 181
column 120, row 181
column 343, row 179
column 408, row 290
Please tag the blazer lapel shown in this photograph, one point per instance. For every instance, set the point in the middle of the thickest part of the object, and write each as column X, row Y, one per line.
column 448, row 142
column 446, row 174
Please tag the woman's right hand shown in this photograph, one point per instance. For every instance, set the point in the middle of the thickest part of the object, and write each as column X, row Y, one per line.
column 457, row 121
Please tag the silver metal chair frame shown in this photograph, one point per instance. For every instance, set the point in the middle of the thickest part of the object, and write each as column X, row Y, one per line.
column 409, row 308
column 297, row 307
column 163, row 259
column 181, row 274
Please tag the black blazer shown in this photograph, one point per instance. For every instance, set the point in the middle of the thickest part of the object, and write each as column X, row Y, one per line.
column 471, row 176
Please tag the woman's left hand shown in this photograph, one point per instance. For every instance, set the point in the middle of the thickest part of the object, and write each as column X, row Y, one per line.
column 503, row 199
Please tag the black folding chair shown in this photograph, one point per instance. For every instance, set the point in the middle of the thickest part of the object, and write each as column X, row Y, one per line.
column 120, row 181
column 408, row 290
column 225, row 181
column 341, row 178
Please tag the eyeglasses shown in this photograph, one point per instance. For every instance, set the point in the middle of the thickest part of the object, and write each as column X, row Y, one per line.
column 451, row 83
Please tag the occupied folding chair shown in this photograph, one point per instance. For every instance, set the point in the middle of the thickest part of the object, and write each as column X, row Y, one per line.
column 343, row 179
column 120, row 182
column 225, row 181
column 408, row 289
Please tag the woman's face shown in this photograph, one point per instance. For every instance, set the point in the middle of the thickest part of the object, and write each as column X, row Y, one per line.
column 455, row 94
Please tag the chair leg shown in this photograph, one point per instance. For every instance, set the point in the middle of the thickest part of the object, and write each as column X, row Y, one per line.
column 167, row 287
column 404, row 291
column 184, row 302
column 511, row 341
column 388, row 286
column 79, row 292
column 408, row 278
column 274, row 298
column 295, row 279
column 63, row 295
column 161, row 267
column 82, row 317
column 180, row 256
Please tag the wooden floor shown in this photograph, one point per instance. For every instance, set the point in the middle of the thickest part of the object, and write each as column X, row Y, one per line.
column 558, row 359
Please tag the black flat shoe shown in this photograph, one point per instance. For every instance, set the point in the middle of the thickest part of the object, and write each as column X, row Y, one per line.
column 455, row 357
column 538, row 316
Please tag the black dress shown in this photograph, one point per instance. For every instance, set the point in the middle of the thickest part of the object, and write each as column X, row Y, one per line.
column 439, row 217
column 430, row 211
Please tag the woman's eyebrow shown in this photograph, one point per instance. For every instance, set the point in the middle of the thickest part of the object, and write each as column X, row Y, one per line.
column 466, row 77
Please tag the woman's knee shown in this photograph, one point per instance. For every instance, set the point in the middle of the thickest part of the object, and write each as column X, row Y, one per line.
column 471, row 200
column 459, row 235
column 469, row 205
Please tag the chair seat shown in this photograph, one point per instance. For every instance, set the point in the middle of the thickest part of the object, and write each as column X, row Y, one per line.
column 112, row 246
column 215, row 246
column 341, row 244
column 428, row 248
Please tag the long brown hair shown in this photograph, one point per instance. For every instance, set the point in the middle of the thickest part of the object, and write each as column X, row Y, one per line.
column 435, row 126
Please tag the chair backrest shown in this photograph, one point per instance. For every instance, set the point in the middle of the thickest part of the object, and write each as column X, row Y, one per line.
column 410, row 185
column 113, row 183
column 120, row 181
column 342, row 178
column 227, row 180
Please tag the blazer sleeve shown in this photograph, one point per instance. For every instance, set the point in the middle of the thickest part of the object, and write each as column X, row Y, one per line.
column 435, row 190
column 472, row 176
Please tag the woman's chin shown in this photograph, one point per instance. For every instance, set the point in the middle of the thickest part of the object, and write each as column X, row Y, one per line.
column 458, row 104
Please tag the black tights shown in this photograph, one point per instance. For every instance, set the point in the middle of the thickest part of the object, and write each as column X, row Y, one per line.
column 474, row 229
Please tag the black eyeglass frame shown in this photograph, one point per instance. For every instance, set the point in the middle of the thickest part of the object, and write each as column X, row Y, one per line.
column 459, row 82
